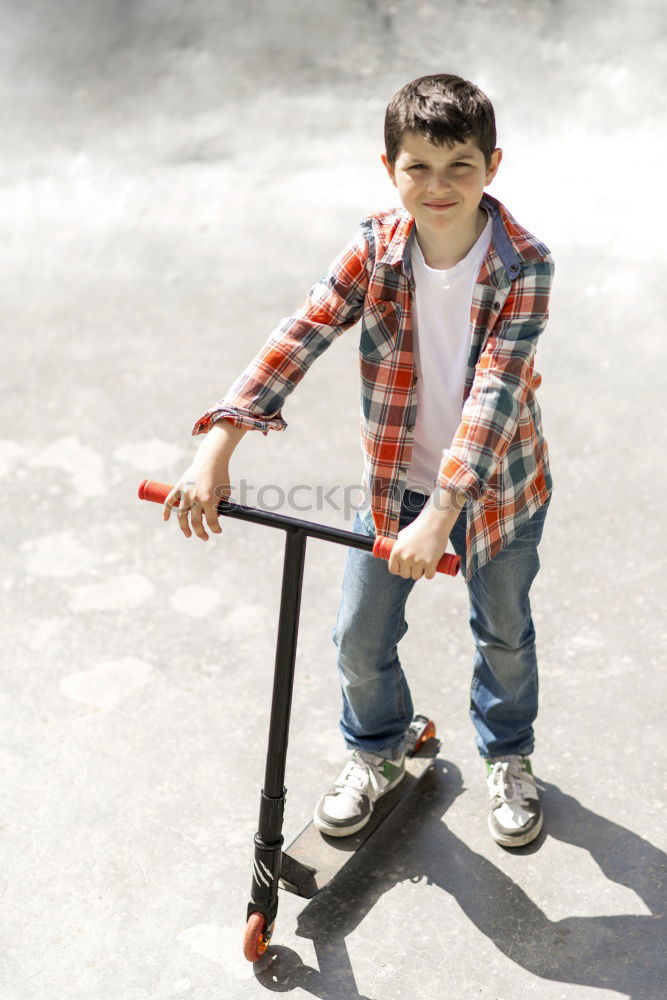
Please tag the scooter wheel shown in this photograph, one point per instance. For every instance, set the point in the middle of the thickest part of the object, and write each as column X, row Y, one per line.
column 256, row 938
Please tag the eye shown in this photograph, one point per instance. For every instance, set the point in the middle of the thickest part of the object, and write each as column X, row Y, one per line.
column 417, row 166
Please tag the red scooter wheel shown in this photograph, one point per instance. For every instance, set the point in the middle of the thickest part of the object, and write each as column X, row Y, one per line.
column 256, row 939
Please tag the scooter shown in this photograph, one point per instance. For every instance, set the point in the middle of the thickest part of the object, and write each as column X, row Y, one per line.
column 312, row 859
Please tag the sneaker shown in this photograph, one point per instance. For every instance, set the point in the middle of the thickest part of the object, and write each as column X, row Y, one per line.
column 515, row 813
column 348, row 804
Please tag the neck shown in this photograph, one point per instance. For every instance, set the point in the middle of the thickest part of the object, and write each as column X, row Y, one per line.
column 443, row 255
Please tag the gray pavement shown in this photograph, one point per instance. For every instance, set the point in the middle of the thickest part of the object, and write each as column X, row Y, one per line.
column 174, row 177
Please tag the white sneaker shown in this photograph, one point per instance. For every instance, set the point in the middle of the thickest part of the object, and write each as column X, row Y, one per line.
column 515, row 813
column 348, row 804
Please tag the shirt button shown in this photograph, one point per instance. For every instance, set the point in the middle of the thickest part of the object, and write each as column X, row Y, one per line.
column 411, row 427
column 381, row 307
column 496, row 306
column 393, row 517
column 415, row 380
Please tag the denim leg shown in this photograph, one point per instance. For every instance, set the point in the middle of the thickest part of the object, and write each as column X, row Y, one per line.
column 504, row 690
column 377, row 706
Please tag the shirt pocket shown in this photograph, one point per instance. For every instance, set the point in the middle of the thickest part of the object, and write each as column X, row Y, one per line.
column 379, row 329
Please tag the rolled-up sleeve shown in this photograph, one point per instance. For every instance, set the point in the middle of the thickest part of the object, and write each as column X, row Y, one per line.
column 334, row 303
column 502, row 379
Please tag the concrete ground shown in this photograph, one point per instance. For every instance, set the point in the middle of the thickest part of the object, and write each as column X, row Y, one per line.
column 173, row 179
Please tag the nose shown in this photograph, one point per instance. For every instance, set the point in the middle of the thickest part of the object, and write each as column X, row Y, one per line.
column 438, row 183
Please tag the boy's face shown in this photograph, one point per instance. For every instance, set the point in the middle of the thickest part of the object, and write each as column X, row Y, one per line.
column 441, row 186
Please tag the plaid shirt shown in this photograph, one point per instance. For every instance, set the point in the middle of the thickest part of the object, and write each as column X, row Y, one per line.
column 498, row 457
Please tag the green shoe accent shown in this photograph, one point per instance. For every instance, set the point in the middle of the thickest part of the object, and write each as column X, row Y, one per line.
column 525, row 764
column 389, row 770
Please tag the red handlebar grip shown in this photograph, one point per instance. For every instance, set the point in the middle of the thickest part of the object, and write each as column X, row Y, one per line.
column 157, row 492
column 448, row 563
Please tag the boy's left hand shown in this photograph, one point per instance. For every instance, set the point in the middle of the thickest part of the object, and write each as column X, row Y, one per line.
column 419, row 546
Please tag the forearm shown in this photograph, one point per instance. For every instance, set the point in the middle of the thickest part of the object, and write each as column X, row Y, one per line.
column 223, row 437
column 443, row 508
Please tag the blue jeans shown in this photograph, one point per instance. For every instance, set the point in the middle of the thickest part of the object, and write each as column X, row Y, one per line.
column 377, row 706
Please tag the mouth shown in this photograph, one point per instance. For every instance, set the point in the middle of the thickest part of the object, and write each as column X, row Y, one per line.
column 439, row 205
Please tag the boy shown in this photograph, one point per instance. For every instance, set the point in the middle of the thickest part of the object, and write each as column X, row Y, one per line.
column 453, row 295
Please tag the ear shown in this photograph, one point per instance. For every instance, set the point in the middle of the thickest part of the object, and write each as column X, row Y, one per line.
column 390, row 170
column 496, row 157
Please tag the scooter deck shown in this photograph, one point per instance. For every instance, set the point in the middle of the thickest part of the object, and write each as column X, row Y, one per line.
column 313, row 859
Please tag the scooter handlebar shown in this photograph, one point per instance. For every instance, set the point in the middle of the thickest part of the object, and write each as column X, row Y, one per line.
column 449, row 564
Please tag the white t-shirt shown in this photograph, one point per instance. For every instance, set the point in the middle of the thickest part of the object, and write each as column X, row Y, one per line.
column 441, row 342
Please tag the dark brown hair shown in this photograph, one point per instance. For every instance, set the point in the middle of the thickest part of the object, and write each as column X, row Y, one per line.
column 444, row 109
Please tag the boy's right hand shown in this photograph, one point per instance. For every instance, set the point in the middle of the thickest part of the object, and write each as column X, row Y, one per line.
column 197, row 498
column 201, row 487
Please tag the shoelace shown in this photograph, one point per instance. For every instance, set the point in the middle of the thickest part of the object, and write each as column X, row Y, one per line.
column 508, row 778
column 356, row 777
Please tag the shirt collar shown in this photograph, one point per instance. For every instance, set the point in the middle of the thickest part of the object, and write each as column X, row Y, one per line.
column 502, row 250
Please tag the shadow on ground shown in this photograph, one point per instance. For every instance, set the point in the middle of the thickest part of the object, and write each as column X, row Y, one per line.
column 622, row 953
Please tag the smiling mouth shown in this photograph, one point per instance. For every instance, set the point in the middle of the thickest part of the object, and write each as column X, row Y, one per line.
column 439, row 204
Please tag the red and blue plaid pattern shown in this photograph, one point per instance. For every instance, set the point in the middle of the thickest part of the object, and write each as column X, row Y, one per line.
column 499, row 457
